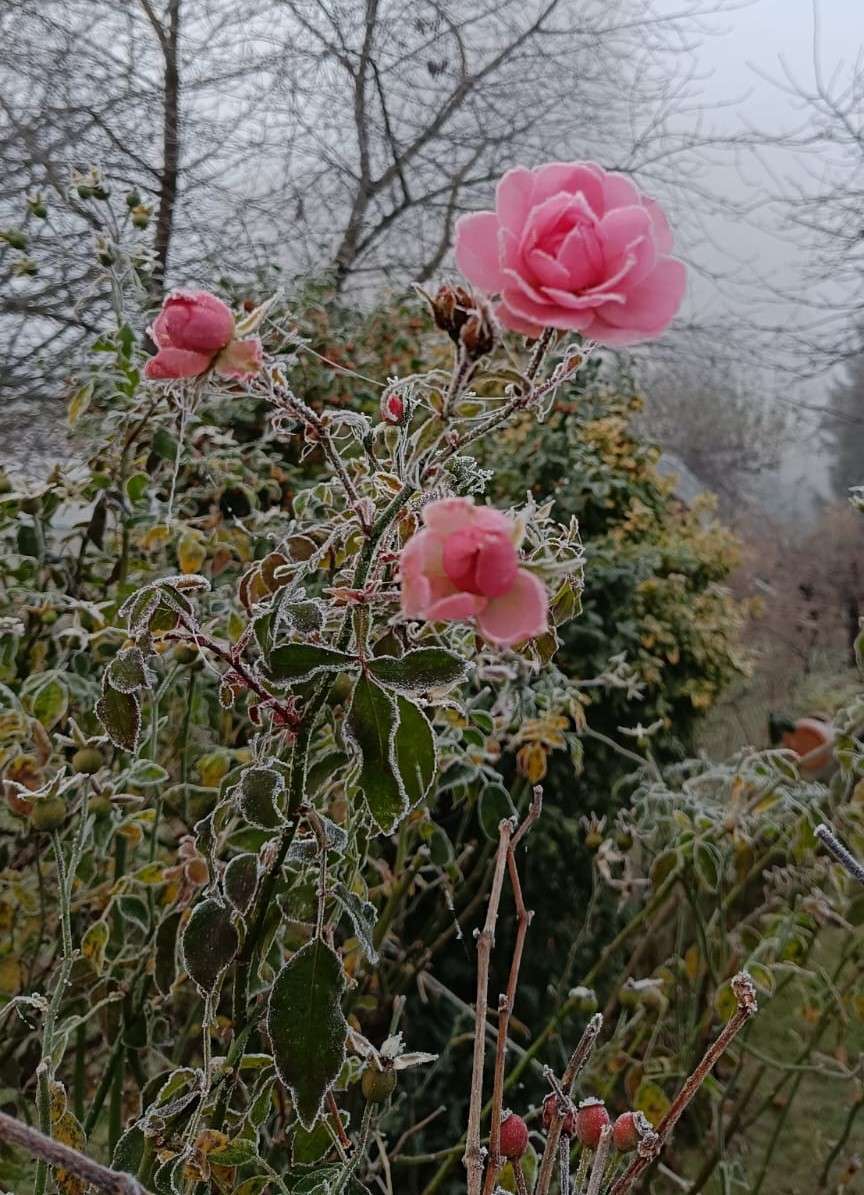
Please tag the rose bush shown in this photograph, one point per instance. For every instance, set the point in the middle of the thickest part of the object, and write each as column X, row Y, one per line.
column 241, row 779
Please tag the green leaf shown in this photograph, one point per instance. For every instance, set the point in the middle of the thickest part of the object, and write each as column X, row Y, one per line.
column 363, row 916
column 129, row 1150
column 493, row 807
column 127, row 672
column 419, row 670
column 120, row 714
column 165, row 969
column 294, row 662
column 372, row 721
column 50, row 702
column 209, row 944
column 164, row 445
column 307, row 1027
column 257, row 793
column 416, row 752
column 144, row 773
column 136, row 486
column 241, row 881
column 235, row 1153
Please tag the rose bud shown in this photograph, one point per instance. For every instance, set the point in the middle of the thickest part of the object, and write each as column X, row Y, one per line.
column 392, row 407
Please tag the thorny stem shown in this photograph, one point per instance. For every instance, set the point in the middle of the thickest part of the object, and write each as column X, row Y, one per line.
column 288, row 714
column 463, row 368
column 564, row 1165
column 507, row 1000
column 519, row 1175
column 45, row 1068
column 53, row 1153
column 296, row 792
column 508, row 840
column 473, row 1151
column 296, row 406
column 843, row 856
column 651, row 1145
column 538, row 353
column 597, row 1170
column 574, row 1068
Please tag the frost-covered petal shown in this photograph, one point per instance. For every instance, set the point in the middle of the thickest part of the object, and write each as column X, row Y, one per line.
column 518, row 614
column 193, row 320
column 241, row 359
column 171, row 363
column 455, row 608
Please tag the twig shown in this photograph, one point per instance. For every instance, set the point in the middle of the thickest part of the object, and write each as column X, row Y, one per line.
column 473, row 1152
column 600, row 1157
column 651, row 1144
column 843, row 856
column 66, row 1158
column 509, row 838
column 574, row 1067
column 507, row 999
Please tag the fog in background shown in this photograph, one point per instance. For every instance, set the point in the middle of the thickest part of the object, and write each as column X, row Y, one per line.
column 714, row 107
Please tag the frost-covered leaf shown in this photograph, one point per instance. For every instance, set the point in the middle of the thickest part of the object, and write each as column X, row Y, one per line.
column 240, row 881
column 129, row 1150
column 372, row 722
column 363, row 916
column 127, row 672
column 120, row 714
column 494, row 806
column 257, row 794
column 235, row 1153
column 416, row 751
column 165, row 970
column 209, row 944
column 420, row 670
column 49, row 702
column 307, row 1027
column 295, row 662
column 94, row 944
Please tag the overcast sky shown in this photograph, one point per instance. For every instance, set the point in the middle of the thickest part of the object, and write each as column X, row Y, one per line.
column 748, row 44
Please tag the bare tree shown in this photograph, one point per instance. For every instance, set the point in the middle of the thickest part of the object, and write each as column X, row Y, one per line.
column 338, row 137
column 727, row 432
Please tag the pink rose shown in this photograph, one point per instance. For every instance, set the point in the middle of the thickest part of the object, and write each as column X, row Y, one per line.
column 572, row 246
column 464, row 564
column 194, row 331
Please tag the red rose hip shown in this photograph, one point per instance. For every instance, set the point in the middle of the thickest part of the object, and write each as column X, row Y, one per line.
column 514, row 1136
column 627, row 1130
column 591, row 1120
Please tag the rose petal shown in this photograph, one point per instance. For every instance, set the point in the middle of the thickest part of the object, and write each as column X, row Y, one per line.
column 171, row 363
column 194, row 320
column 584, row 177
column 447, row 514
column 514, row 198
column 544, row 315
column 241, row 359
column 455, row 608
column 518, row 614
column 476, row 250
column 650, row 305
column 662, row 231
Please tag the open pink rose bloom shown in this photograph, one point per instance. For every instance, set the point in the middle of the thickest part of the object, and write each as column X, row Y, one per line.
column 464, row 564
column 194, row 331
column 573, row 246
